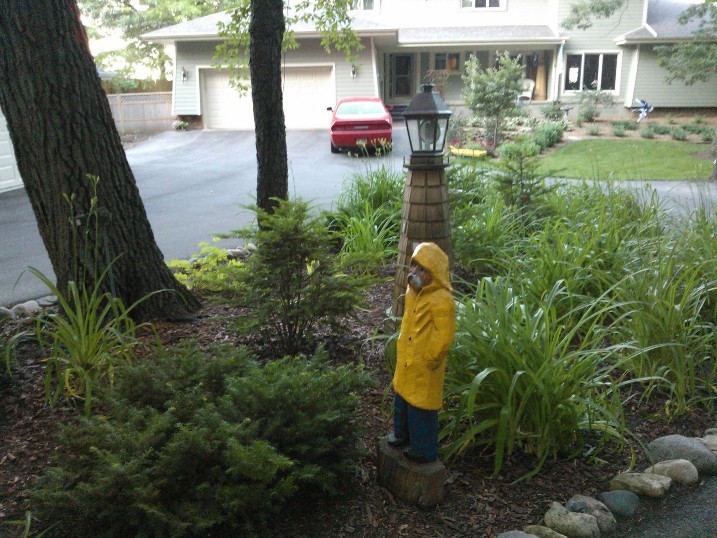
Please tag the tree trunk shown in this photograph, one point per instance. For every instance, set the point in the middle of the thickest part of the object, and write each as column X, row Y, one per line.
column 266, row 33
column 62, row 130
column 713, row 177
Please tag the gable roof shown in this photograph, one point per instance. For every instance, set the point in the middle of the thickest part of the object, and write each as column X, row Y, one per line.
column 478, row 34
column 207, row 28
column 662, row 23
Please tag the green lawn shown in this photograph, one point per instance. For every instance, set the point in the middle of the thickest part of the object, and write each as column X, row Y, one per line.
column 630, row 159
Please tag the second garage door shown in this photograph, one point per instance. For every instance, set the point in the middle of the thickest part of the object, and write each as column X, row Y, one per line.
column 307, row 93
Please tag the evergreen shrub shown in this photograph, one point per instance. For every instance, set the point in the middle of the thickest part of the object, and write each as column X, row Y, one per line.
column 198, row 444
column 293, row 282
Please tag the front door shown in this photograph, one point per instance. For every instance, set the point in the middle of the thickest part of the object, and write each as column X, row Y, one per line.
column 401, row 77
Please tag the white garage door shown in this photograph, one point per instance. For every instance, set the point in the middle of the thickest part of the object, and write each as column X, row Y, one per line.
column 307, row 93
column 9, row 176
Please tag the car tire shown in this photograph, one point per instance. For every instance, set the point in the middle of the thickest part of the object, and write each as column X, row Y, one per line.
column 334, row 149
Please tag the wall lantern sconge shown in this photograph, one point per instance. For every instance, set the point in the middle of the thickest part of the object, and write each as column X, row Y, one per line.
column 185, row 75
column 353, row 71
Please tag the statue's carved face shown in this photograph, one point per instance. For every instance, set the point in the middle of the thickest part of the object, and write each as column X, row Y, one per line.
column 418, row 277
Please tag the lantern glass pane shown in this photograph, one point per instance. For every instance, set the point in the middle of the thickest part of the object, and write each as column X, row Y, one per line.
column 427, row 134
column 442, row 132
column 412, row 127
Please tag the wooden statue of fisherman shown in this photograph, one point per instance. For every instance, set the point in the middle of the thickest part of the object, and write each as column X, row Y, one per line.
column 427, row 330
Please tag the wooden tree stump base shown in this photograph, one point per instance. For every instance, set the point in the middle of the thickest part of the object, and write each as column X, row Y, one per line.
column 418, row 484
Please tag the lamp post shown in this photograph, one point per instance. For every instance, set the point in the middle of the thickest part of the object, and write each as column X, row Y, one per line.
column 426, row 215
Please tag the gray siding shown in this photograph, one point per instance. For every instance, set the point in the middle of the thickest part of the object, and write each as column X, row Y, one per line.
column 601, row 38
column 194, row 55
column 191, row 56
column 651, row 86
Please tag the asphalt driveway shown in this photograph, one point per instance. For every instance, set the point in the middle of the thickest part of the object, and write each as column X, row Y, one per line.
column 194, row 185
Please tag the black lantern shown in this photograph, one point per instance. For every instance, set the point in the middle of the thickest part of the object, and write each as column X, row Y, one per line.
column 427, row 123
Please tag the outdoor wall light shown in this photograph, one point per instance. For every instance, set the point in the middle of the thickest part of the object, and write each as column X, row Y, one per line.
column 353, row 71
column 185, row 75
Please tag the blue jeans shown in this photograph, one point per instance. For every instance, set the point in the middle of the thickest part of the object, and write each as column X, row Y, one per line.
column 418, row 426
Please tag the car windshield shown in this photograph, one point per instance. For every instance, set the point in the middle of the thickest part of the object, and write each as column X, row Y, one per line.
column 359, row 108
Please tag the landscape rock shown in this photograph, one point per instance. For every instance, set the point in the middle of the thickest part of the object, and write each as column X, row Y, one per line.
column 710, row 441
column 651, row 485
column 516, row 534
column 26, row 309
column 542, row 532
column 621, row 502
column 680, row 471
column 236, row 253
column 250, row 247
column 6, row 313
column 710, row 431
column 47, row 300
column 587, row 505
column 673, row 447
column 571, row 524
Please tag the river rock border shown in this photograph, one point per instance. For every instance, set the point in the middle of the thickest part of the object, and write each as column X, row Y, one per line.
column 676, row 460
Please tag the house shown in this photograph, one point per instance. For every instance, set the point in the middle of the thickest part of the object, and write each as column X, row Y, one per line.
column 407, row 42
column 9, row 176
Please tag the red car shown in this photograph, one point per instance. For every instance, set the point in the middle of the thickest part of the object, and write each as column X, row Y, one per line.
column 360, row 122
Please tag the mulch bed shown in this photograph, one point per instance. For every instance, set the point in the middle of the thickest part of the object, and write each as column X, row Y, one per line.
column 476, row 503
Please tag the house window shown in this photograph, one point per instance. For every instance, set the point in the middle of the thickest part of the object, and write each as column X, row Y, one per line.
column 448, row 61
column 482, row 4
column 591, row 72
column 363, row 5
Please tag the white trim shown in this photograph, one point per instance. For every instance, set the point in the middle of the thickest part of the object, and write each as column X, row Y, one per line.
column 618, row 68
column 632, row 80
column 651, row 30
column 374, row 67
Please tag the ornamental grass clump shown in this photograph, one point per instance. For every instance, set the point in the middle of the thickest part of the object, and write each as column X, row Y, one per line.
column 87, row 341
column 661, row 313
column 369, row 239
column 519, row 378
column 204, row 444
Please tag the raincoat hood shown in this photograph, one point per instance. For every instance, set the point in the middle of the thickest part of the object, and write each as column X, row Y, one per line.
column 431, row 257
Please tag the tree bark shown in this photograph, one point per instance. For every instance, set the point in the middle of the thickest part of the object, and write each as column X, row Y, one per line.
column 62, row 129
column 266, row 33
column 713, row 177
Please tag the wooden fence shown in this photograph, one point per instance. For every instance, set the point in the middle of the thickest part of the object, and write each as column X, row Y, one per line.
column 142, row 112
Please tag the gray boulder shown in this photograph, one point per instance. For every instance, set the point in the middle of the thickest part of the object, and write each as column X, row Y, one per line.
column 680, row 471
column 652, row 485
column 621, row 502
column 542, row 532
column 571, row 524
column 675, row 447
column 587, row 505
column 516, row 534
column 710, row 441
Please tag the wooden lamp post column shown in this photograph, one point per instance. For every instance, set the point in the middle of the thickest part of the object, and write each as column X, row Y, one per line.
column 426, row 214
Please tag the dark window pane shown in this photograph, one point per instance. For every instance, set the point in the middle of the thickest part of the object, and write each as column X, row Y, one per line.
column 590, row 72
column 440, row 61
column 572, row 72
column 609, row 72
column 403, row 65
column 480, row 3
column 494, row 3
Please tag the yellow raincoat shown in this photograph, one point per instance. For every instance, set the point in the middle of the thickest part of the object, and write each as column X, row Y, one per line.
column 427, row 330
